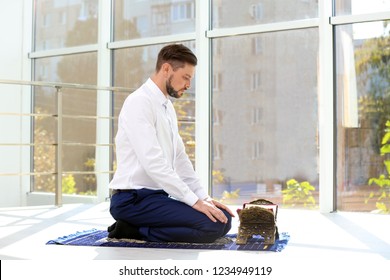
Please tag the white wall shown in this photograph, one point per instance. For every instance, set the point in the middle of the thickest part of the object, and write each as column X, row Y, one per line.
column 15, row 32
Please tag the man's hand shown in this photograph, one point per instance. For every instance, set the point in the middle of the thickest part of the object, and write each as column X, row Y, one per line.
column 211, row 209
column 222, row 206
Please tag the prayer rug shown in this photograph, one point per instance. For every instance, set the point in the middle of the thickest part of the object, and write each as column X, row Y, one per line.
column 96, row 237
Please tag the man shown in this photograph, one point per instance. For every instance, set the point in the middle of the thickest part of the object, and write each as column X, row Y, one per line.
column 156, row 194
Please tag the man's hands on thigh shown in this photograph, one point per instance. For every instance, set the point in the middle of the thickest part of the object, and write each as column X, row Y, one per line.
column 212, row 209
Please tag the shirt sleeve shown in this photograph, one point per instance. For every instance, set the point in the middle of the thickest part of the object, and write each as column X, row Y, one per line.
column 139, row 125
column 186, row 171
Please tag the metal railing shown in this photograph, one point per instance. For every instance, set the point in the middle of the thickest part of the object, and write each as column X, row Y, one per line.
column 59, row 116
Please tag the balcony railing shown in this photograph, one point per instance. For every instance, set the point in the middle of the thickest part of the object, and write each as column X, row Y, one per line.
column 58, row 115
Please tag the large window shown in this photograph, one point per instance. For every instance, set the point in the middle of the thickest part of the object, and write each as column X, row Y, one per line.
column 63, row 24
column 264, row 104
column 265, row 123
column 78, row 123
column 363, row 94
column 363, row 87
column 290, row 103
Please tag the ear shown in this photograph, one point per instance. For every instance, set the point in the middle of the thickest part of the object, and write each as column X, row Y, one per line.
column 165, row 69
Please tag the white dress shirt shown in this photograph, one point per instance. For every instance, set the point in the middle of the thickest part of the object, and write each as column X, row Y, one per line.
column 149, row 150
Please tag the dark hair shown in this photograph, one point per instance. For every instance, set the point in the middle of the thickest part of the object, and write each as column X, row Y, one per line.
column 176, row 55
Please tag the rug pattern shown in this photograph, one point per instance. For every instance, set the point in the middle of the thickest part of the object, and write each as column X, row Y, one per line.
column 95, row 237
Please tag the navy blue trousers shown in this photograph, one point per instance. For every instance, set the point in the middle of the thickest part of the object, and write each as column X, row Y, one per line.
column 161, row 218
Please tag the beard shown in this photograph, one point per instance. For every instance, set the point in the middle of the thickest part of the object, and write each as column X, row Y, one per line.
column 170, row 90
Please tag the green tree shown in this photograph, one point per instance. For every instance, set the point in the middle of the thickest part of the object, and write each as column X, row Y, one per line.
column 383, row 181
column 299, row 193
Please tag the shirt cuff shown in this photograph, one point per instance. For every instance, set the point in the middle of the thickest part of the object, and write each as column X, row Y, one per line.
column 201, row 194
column 190, row 199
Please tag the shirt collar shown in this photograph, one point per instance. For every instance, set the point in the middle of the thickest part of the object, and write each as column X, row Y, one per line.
column 157, row 94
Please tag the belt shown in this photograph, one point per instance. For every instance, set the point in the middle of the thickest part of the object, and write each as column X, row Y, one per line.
column 113, row 191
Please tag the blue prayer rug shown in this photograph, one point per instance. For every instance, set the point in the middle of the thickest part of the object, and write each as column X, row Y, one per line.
column 96, row 237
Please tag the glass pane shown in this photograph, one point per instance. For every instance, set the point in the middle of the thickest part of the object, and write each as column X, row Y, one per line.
column 355, row 7
column 139, row 19
column 76, row 68
column 187, row 133
column 44, row 182
column 132, row 67
column 265, row 117
column 82, row 184
column 64, row 23
column 79, row 159
column 227, row 13
column 78, row 102
column 79, row 131
column 363, row 112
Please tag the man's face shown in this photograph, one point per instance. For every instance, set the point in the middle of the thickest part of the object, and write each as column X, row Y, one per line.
column 180, row 80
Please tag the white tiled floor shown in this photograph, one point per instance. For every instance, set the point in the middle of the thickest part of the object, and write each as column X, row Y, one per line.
column 337, row 237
